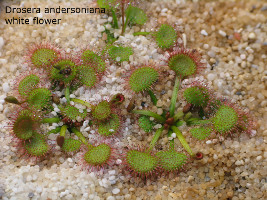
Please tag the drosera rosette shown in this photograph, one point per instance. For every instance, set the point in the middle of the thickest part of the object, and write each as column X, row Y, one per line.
column 130, row 13
column 42, row 55
column 166, row 36
column 170, row 121
column 64, row 68
column 170, row 160
column 142, row 78
column 184, row 62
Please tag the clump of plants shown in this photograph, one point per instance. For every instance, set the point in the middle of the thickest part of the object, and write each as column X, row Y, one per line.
column 203, row 112
column 62, row 74
column 45, row 95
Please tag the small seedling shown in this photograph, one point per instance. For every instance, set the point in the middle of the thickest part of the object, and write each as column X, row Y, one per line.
column 165, row 36
column 146, row 124
column 120, row 54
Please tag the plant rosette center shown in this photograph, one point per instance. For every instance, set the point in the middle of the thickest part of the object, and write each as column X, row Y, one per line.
column 63, row 70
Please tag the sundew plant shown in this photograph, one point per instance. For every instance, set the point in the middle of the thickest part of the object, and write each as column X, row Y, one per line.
column 45, row 95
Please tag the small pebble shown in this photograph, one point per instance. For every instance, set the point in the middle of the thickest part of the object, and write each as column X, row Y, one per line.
column 111, row 198
column 6, row 87
column 222, row 33
column 206, row 46
column 203, row 32
column 252, row 36
column 1, row 43
column 31, row 195
column 116, row 191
